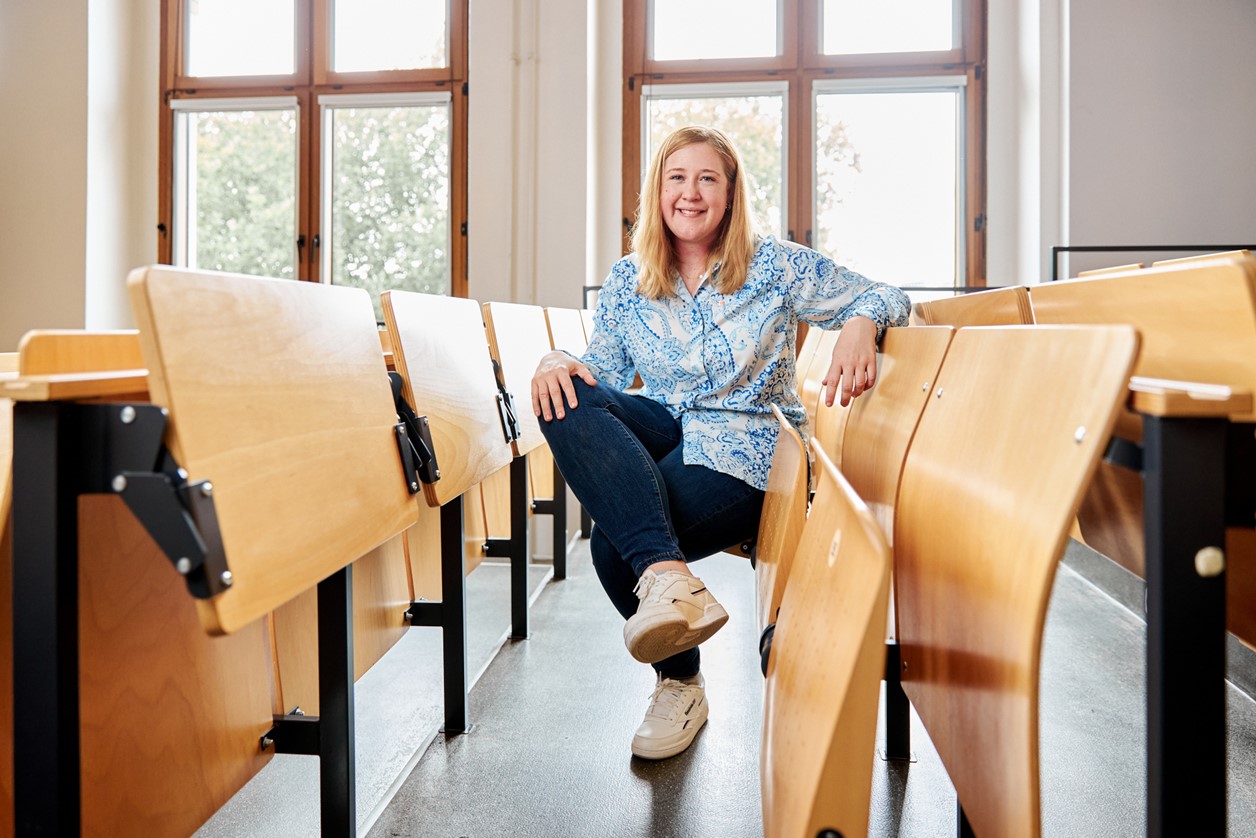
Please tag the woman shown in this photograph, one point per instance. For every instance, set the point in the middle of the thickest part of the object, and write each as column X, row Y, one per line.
column 706, row 312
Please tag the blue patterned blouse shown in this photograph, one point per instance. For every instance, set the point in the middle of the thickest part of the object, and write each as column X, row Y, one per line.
column 718, row 362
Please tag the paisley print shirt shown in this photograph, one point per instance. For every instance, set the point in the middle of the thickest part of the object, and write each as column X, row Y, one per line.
column 719, row 361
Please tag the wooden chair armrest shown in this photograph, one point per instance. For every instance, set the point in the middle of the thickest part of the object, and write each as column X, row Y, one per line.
column 1167, row 398
column 73, row 386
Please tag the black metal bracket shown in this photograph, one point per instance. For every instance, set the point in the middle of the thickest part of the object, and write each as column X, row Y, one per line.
column 126, row 457
column 506, row 406
column 496, row 548
column 425, row 613
column 1124, row 453
column 293, row 733
column 414, row 440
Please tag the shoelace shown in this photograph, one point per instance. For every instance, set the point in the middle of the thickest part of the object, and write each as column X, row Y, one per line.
column 669, row 699
column 642, row 588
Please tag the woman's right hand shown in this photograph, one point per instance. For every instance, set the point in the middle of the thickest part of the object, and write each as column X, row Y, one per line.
column 552, row 380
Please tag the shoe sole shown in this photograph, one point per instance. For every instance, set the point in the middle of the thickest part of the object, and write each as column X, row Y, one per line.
column 662, row 750
column 651, row 641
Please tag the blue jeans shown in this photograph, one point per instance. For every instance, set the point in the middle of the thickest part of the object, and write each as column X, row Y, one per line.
column 622, row 457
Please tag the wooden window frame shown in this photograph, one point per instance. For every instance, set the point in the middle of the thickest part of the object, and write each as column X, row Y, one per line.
column 313, row 77
column 801, row 64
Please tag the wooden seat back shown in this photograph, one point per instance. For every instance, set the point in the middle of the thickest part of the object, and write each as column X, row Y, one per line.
column 883, row 421
column 517, row 337
column 1197, row 318
column 566, row 330
column 49, row 351
column 824, row 673
column 278, row 395
column 441, row 350
column 996, row 307
column 170, row 717
column 586, row 318
column 1115, row 269
column 1016, row 423
column 1203, row 256
column 810, row 387
column 780, row 522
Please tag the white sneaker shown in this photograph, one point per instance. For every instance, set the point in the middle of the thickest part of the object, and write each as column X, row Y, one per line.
column 676, row 613
column 677, row 711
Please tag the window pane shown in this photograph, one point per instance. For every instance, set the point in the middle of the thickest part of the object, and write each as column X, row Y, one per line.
column 389, row 198
column 240, row 37
column 857, row 26
column 389, row 35
column 681, row 29
column 235, row 190
column 886, row 179
column 754, row 123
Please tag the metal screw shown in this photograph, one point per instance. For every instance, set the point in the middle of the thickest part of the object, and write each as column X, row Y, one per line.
column 183, row 565
column 1209, row 562
column 297, row 711
column 939, row 393
column 904, row 666
column 414, row 487
column 207, row 489
column 267, row 742
column 924, row 388
column 408, row 616
column 227, row 579
column 119, row 483
column 1079, row 434
column 128, row 415
column 438, row 474
column 183, row 474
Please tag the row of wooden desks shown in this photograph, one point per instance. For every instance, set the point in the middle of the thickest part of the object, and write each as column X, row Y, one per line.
column 268, row 459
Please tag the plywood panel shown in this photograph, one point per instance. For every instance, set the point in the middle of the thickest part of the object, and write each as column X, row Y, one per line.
column 1197, row 318
column 65, row 350
column 381, row 594
column 996, row 307
column 883, row 421
column 171, row 717
column 566, row 330
column 518, row 338
column 781, row 521
column 278, row 395
column 442, row 353
column 821, row 695
column 981, row 522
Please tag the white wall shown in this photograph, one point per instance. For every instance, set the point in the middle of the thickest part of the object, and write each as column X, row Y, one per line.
column 1162, row 112
column 1118, row 122
column 78, row 160
column 526, row 226
column 122, row 118
column 43, row 165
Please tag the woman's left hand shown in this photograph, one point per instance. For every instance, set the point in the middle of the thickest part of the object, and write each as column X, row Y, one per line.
column 854, row 362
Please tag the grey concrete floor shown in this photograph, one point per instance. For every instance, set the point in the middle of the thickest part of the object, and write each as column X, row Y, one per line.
column 554, row 714
column 549, row 755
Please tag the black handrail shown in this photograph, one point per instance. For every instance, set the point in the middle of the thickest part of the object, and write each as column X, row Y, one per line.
column 1134, row 248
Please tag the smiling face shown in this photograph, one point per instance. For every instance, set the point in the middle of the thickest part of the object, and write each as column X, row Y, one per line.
column 694, row 196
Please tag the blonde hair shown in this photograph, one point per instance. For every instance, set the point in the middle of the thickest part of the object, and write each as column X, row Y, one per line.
column 735, row 240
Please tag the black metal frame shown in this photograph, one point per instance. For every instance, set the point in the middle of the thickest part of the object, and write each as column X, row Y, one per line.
column 1138, row 248
column 450, row 615
column 1187, row 465
column 63, row 450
